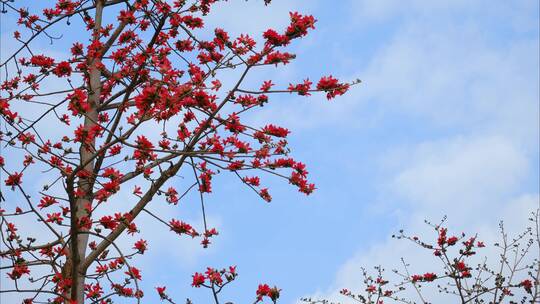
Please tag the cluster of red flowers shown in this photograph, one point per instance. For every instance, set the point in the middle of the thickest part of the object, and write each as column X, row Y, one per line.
column 141, row 246
column 301, row 88
column 134, row 273
column 276, row 131
column 87, row 136
column 26, row 138
column 266, row 291
column 214, row 277
column 298, row 27
column 111, row 187
column 109, row 222
column 78, row 102
column 182, row 228
column 42, row 61
column 14, row 179
column 207, row 235
column 47, row 201
column 18, row 270
column 62, row 7
column 127, row 292
column 93, row 291
column 233, row 124
column 463, row 269
column 5, row 110
column 62, row 69
column 527, row 285
column 55, row 217
column 250, row 100
column 276, row 58
column 205, row 178
column 426, row 277
column 332, row 87
column 143, row 153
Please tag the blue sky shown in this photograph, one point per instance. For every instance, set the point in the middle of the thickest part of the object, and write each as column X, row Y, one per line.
column 445, row 122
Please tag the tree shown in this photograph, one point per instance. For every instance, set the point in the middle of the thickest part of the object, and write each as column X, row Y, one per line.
column 136, row 102
column 461, row 272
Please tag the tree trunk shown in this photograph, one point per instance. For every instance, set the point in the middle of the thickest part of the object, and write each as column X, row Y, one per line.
column 82, row 205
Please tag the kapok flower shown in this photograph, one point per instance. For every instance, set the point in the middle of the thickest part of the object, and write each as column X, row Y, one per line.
column 198, row 280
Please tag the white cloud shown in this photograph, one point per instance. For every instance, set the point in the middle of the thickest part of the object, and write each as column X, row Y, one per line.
column 473, row 170
column 365, row 13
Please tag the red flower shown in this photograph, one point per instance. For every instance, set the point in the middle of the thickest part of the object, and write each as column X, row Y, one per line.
column 275, row 131
column 527, row 285
column 14, row 179
column 265, row 291
column 441, row 240
column 192, row 22
column 78, row 103
column 141, row 246
column 93, row 291
column 345, row 291
column 161, row 292
column 101, row 268
column 127, row 17
column 461, row 266
column 42, row 61
column 28, row 159
column 181, row 227
column 26, row 138
column 233, row 124
column 46, row 201
column 299, row 25
column 62, row 69
column 134, row 273
column 171, row 196
column 114, row 150
column 111, row 173
column 108, row 222
column 198, row 280
column 452, row 240
column 214, row 276
column 265, row 195
column 266, row 85
column 274, row 39
column 54, row 218
column 428, row 277
column 246, row 100
column 77, row 49
column 253, row 181
column 243, row 44
column 143, row 151
column 18, row 271
column 301, row 88
column 332, row 87
column 278, row 57
column 184, row 45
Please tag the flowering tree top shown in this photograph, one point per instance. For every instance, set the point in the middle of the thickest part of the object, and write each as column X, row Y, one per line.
column 137, row 103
